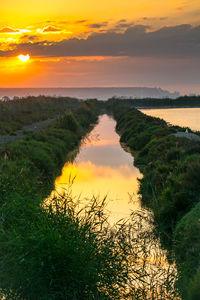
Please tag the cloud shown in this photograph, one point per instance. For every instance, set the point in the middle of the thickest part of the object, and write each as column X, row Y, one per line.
column 137, row 41
column 98, row 25
column 31, row 38
column 9, row 30
column 122, row 21
column 80, row 21
column 154, row 19
column 50, row 29
column 122, row 25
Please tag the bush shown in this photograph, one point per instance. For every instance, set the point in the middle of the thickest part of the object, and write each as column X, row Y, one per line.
column 170, row 187
column 69, row 122
column 69, row 251
column 188, row 252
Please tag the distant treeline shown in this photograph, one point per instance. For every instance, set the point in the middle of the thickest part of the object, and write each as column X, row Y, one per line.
column 184, row 101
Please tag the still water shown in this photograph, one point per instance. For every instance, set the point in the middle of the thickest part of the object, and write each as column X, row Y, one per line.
column 185, row 117
column 103, row 168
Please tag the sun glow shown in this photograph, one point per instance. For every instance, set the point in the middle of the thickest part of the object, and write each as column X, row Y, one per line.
column 24, row 58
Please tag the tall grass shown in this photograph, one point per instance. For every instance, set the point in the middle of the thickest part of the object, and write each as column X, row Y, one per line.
column 17, row 113
column 170, row 187
column 29, row 165
column 69, row 250
column 64, row 249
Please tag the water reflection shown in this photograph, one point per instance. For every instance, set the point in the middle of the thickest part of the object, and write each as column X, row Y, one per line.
column 185, row 117
column 103, row 168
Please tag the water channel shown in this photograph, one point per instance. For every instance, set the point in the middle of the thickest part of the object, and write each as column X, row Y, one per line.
column 103, row 168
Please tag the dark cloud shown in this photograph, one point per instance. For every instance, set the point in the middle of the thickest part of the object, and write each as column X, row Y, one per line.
column 81, row 21
column 123, row 21
column 153, row 19
column 50, row 29
column 122, row 25
column 8, row 30
column 98, row 25
column 30, row 37
column 175, row 42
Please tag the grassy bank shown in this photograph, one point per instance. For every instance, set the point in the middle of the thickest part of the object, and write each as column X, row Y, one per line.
column 44, row 251
column 60, row 250
column 17, row 113
column 64, row 252
column 32, row 162
column 170, row 187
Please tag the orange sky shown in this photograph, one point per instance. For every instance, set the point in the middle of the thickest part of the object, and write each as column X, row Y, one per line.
column 42, row 29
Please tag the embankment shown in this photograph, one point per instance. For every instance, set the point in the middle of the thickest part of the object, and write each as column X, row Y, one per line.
column 52, row 252
column 16, row 114
column 29, row 165
column 170, row 187
column 59, row 250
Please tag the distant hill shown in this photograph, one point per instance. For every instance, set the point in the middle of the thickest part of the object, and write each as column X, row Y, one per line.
column 85, row 93
column 143, row 92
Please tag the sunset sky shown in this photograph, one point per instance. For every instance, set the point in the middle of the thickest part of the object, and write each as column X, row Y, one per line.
column 87, row 43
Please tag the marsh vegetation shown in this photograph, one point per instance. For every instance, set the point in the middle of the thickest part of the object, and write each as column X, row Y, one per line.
column 170, row 187
column 64, row 250
column 25, row 111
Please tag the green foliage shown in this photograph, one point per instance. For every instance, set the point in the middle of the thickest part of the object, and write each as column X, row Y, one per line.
column 188, row 253
column 183, row 101
column 68, row 121
column 17, row 113
column 193, row 292
column 56, row 255
column 36, row 158
column 164, row 161
column 170, row 187
column 69, row 251
column 62, row 250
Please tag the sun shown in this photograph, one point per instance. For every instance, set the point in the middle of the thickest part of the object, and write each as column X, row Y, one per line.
column 24, row 58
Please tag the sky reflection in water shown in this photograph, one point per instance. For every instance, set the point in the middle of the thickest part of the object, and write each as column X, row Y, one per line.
column 103, row 168
column 185, row 117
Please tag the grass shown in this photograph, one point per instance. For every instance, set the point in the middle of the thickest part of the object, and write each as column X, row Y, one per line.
column 187, row 244
column 17, row 113
column 69, row 251
column 62, row 249
column 170, row 187
column 34, row 160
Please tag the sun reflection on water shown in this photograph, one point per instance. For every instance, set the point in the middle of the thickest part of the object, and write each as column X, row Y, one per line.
column 86, row 180
column 103, row 169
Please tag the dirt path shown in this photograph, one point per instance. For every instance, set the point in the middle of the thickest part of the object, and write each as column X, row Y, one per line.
column 4, row 139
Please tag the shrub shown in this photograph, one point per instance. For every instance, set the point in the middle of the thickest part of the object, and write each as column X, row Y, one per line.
column 187, row 249
column 69, row 122
column 69, row 251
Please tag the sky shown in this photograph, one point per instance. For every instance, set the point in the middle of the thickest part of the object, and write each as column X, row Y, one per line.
column 89, row 43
